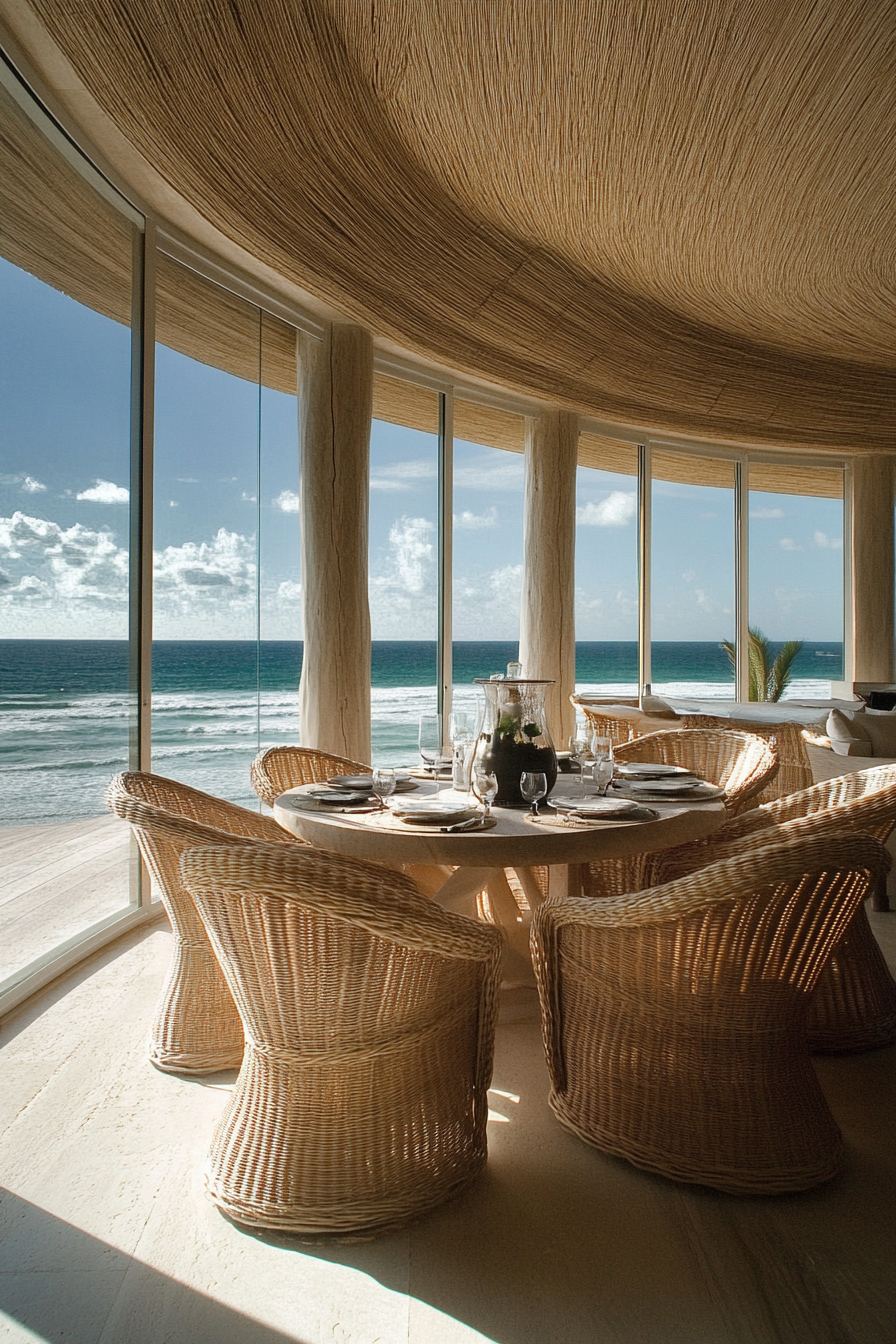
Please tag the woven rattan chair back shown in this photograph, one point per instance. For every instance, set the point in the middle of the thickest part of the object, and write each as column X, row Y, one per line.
column 606, row 725
column 674, row 1019
column 739, row 763
column 369, row 1016
column 196, row 1028
column 280, row 768
column 794, row 766
column 854, row 1005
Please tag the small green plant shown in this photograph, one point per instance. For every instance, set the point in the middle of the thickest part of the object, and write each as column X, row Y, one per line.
column 768, row 679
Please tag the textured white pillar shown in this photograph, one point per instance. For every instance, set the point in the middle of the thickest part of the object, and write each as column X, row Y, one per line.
column 336, row 399
column 872, row 513
column 547, row 622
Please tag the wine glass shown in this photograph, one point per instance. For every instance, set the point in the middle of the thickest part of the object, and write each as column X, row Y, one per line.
column 460, row 731
column 383, row 783
column 578, row 745
column 429, row 741
column 533, row 785
column 604, row 765
column 485, row 788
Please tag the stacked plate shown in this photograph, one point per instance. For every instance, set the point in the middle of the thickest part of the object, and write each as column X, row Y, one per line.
column 602, row 809
column 432, row 812
column 364, row 783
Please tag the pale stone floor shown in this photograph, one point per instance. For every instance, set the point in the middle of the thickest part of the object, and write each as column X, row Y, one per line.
column 106, row 1233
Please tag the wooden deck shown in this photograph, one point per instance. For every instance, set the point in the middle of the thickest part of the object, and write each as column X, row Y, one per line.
column 55, row 881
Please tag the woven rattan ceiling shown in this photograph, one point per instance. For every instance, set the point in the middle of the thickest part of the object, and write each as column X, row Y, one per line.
column 670, row 213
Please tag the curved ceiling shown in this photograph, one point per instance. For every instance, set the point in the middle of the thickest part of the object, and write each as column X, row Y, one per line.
column 672, row 213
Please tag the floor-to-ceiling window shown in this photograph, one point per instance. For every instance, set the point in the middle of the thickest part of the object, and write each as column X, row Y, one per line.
column 607, row 567
column 227, row 588
column 692, row 575
column 488, row 491
column 66, row 302
column 796, row 574
column 403, row 564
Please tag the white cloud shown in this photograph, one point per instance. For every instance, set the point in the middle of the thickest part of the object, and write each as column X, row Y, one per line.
column 287, row 501
column 402, row 587
column 763, row 512
column 619, row 508
column 402, row 475
column 788, row 544
column 830, row 543
column 32, row 486
column 249, row 499
column 472, row 521
column 71, row 574
column 104, row 492
column 187, row 480
column 689, row 575
column 506, row 584
column 173, row 504
column 507, row 474
column 705, row 602
column 289, row 592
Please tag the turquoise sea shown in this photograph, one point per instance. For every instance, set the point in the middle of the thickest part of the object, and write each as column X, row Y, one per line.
column 65, row 711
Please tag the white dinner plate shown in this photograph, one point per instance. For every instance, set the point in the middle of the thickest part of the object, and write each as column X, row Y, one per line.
column 432, row 813
column 600, row 809
column 648, row 770
column 670, row 793
column 403, row 783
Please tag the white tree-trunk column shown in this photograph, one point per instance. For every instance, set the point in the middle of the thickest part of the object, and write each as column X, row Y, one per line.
column 872, row 502
column 336, row 400
column 547, row 624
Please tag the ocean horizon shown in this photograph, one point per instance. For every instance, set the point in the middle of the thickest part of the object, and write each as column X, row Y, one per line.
column 65, row 706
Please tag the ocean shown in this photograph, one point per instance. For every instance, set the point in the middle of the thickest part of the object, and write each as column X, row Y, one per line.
column 65, row 711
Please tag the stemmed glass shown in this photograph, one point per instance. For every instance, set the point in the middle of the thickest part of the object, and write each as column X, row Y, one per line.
column 383, row 783
column 460, row 731
column 578, row 745
column 533, row 785
column 604, row 765
column 485, row 788
column 429, row 740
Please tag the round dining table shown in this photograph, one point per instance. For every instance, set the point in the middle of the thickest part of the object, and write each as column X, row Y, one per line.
column 474, row 862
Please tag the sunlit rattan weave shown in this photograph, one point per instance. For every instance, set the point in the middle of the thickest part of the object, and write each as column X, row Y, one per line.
column 674, row 1019
column 196, row 1028
column 854, row 1004
column 369, row 1016
column 794, row 766
column 606, row 725
column 280, row 768
column 740, row 763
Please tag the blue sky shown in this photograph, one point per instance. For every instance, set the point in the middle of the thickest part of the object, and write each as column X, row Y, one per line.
column 227, row 459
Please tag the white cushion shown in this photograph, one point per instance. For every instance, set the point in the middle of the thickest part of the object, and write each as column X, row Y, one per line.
column 848, row 738
column 863, row 732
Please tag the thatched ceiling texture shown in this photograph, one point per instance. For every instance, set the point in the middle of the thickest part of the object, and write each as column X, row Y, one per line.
column 672, row 213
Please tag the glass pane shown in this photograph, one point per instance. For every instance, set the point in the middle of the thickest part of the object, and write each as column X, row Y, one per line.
column 205, row 612
column 280, row 654
column 796, row 579
column 607, row 575
column 65, row 406
column 489, row 480
column 692, row 576
column 403, row 581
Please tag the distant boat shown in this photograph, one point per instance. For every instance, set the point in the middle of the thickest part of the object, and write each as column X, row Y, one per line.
column 819, row 654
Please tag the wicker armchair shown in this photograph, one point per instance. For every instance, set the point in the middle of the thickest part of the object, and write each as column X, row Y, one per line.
column 740, row 763
column 280, row 768
column 674, row 1019
column 794, row 766
column 854, row 1006
column 369, row 1016
column 606, row 725
column 196, row 1028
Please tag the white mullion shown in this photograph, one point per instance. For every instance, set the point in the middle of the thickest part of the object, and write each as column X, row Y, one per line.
column 644, row 530
column 446, row 552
